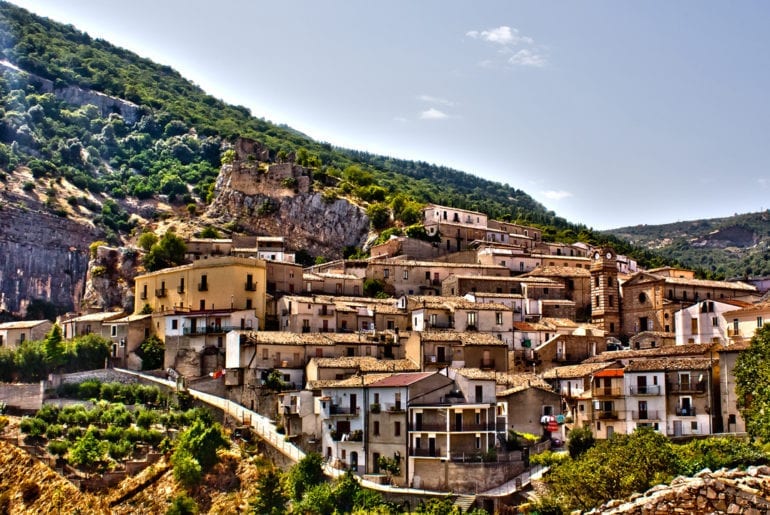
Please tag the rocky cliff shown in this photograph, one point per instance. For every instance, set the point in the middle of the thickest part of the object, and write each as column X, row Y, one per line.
column 42, row 256
column 277, row 200
column 110, row 279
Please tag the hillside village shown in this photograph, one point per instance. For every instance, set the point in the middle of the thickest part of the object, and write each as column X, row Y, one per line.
column 481, row 329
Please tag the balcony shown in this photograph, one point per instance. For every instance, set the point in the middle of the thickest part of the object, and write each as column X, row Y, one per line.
column 439, row 325
column 645, row 415
column 180, row 289
column 607, row 392
column 143, row 295
column 685, row 412
column 203, row 286
column 426, row 453
column 471, row 327
column 645, row 390
column 336, row 409
column 441, row 428
column 394, row 408
column 286, row 363
column 209, row 329
column 251, row 287
column 687, row 387
column 606, row 415
column 428, row 427
column 162, row 292
column 325, row 312
column 487, row 364
column 434, row 359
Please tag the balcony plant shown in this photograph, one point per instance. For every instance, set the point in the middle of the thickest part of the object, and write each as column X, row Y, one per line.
column 374, row 407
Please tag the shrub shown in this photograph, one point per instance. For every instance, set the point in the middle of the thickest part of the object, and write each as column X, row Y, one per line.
column 182, row 504
column 33, row 426
column 187, row 470
column 54, row 431
column 89, row 389
column 58, row 447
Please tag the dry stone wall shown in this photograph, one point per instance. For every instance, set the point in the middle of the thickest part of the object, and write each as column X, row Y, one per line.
column 724, row 491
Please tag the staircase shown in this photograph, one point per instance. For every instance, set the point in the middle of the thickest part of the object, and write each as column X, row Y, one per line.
column 465, row 502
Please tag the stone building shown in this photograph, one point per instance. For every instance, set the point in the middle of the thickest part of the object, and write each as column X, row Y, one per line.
column 13, row 334
column 650, row 299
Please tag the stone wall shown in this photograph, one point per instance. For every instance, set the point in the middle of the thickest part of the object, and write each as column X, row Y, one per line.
column 723, row 491
column 464, row 478
column 23, row 397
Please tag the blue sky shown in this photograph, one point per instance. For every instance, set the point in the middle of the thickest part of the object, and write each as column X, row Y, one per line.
column 609, row 113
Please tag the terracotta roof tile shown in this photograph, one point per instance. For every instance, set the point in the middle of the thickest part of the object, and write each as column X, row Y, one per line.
column 670, row 364
column 574, row 371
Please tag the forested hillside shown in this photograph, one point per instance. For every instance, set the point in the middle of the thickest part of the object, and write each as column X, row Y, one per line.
column 733, row 247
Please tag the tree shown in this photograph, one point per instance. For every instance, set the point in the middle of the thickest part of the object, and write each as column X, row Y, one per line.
column 152, row 352
column 90, row 352
column 270, row 498
column 379, row 215
column 183, row 504
column 580, row 440
column 305, row 474
column 167, row 252
column 147, row 240
column 53, row 345
column 88, row 450
column 752, row 378
column 613, row 469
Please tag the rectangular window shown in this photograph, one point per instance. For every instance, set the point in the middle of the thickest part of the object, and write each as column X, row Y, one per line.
column 174, row 324
column 611, row 300
column 376, row 428
column 472, row 318
column 386, row 273
column 376, row 398
column 264, row 353
column 759, row 322
column 397, row 429
column 499, row 318
column 114, row 330
column 715, row 321
column 406, row 274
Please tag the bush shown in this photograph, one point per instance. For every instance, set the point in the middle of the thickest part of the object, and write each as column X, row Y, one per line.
column 187, row 470
column 33, row 426
column 58, row 447
column 54, row 431
column 89, row 389
column 182, row 504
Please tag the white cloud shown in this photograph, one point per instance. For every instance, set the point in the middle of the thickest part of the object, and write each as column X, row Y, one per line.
column 436, row 100
column 526, row 57
column 510, row 42
column 433, row 114
column 502, row 35
column 556, row 194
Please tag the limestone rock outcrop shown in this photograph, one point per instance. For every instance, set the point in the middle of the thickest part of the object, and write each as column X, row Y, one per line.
column 277, row 200
column 110, row 279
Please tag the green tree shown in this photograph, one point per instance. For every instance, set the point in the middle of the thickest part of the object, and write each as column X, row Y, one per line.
column 183, row 504
column 147, row 240
column 613, row 469
column 88, row 450
column 168, row 252
column 201, row 442
column 379, row 215
column 152, row 352
column 752, row 378
column 90, row 352
column 305, row 474
column 54, row 348
column 580, row 440
column 270, row 498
